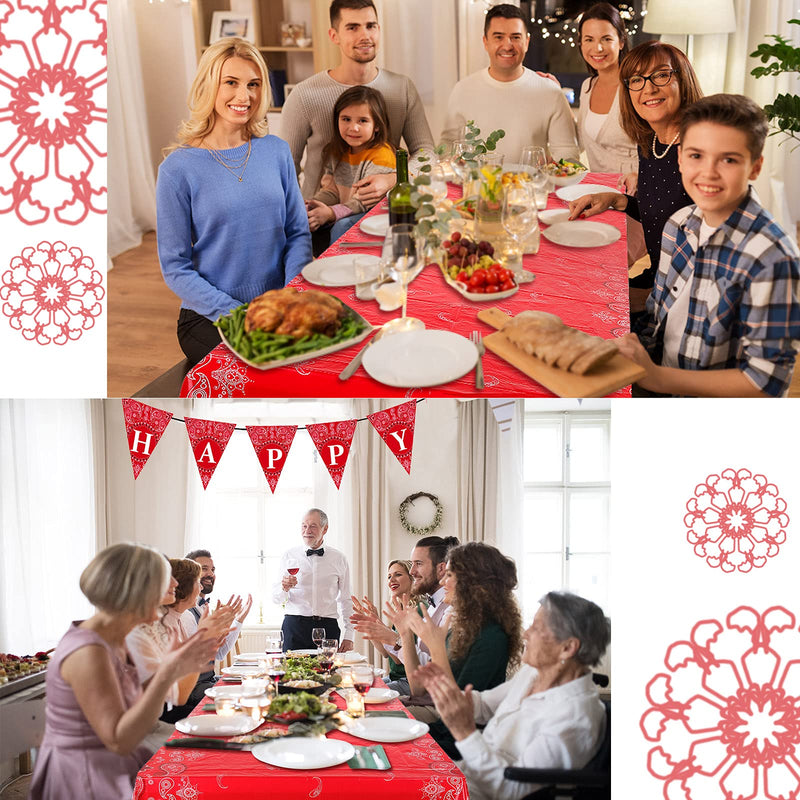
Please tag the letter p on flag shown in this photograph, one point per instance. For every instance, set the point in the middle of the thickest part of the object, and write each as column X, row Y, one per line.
column 333, row 441
column 271, row 443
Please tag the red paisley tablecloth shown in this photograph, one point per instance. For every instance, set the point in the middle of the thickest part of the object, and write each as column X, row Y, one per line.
column 420, row 771
column 587, row 288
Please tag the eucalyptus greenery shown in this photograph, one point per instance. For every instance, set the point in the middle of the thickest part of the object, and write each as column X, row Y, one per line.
column 783, row 57
column 432, row 225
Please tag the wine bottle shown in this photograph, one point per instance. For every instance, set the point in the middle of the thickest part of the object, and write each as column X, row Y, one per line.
column 400, row 208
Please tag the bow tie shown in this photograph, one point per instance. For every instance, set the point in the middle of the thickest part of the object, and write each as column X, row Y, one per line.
column 319, row 552
column 202, row 601
column 431, row 601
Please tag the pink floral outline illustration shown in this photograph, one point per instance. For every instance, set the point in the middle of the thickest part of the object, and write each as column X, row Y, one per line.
column 736, row 520
column 726, row 717
column 52, row 109
column 52, row 293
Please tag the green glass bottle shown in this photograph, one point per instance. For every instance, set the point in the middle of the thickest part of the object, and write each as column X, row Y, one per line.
column 400, row 208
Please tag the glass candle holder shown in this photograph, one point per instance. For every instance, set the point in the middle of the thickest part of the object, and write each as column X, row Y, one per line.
column 225, row 706
column 257, row 707
column 355, row 704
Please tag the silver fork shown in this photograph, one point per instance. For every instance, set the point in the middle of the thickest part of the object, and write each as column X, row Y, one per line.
column 477, row 340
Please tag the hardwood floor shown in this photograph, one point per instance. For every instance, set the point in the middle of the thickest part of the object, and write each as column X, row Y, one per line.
column 142, row 314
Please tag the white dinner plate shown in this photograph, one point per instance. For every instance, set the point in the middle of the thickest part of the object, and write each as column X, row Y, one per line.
column 420, row 358
column 375, row 226
column 335, row 270
column 234, row 692
column 582, row 233
column 297, row 752
column 242, row 671
column 249, row 656
column 350, row 658
column 569, row 193
column 212, row 725
column 387, row 729
column 552, row 215
column 307, row 652
column 380, row 695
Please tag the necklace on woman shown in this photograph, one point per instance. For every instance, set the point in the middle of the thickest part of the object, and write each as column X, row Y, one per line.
column 232, row 164
column 655, row 136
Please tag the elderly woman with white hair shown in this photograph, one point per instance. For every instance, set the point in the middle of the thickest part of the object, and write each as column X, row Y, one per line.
column 97, row 714
column 549, row 715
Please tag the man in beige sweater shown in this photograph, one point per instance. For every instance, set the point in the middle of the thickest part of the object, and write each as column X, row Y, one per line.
column 306, row 120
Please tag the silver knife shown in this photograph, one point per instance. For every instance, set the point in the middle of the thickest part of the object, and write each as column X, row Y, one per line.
column 360, row 244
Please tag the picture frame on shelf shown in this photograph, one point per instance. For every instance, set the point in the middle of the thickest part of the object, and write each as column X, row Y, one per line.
column 225, row 24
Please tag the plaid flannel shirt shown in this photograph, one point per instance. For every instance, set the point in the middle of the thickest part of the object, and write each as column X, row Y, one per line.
column 744, row 308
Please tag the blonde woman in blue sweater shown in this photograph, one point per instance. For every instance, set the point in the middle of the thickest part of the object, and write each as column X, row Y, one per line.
column 231, row 220
column 359, row 148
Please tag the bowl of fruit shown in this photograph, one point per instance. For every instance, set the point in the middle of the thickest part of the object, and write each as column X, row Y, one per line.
column 566, row 173
column 470, row 268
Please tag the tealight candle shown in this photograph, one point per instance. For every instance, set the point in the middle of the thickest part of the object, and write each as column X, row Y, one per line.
column 347, row 677
column 253, row 686
column 355, row 704
column 225, row 706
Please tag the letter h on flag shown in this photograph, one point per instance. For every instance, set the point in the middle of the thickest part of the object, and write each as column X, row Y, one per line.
column 143, row 426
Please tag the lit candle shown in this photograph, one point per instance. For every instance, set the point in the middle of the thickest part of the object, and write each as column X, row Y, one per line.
column 225, row 706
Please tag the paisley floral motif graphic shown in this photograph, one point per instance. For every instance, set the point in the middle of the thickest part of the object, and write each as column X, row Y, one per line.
column 726, row 717
column 52, row 293
column 52, row 109
column 736, row 520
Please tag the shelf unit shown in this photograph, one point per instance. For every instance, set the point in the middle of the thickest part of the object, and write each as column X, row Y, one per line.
column 268, row 15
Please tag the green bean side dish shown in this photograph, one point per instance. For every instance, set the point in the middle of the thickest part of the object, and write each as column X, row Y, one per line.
column 259, row 346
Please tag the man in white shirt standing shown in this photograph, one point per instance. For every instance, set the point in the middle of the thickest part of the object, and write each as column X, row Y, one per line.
column 531, row 109
column 319, row 592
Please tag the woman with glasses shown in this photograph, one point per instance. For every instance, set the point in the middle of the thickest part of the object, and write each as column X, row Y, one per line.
column 660, row 83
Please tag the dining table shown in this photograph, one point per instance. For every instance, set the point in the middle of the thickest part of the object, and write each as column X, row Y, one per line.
column 586, row 287
column 418, row 769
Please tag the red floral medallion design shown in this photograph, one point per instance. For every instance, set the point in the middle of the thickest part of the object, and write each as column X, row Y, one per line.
column 52, row 109
column 736, row 520
column 51, row 293
column 726, row 717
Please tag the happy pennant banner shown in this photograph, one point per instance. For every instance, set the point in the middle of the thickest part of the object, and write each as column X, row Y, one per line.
column 208, row 441
column 396, row 427
column 333, row 440
column 143, row 426
column 272, row 444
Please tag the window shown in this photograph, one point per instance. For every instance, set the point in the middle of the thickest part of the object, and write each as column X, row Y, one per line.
column 566, row 465
column 238, row 518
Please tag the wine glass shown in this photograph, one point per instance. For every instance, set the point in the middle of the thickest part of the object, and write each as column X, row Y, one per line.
column 404, row 259
column 276, row 670
column 329, row 648
column 519, row 216
column 534, row 159
column 292, row 566
column 461, row 168
column 317, row 635
column 362, row 681
column 274, row 644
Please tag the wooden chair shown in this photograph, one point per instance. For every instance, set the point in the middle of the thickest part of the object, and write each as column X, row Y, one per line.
column 230, row 657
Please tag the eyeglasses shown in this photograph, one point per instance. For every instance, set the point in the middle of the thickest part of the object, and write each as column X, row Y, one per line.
column 660, row 78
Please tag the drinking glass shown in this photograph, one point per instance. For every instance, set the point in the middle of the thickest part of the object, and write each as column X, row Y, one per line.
column 292, row 566
column 404, row 257
column 274, row 643
column 362, row 682
column 519, row 216
column 438, row 185
column 276, row 670
column 317, row 635
column 534, row 159
column 225, row 706
column 461, row 168
column 257, row 707
column 329, row 648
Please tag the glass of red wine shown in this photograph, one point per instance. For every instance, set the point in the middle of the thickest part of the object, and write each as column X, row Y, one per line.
column 292, row 566
column 276, row 670
column 317, row 636
column 329, row 648
column 362, row 681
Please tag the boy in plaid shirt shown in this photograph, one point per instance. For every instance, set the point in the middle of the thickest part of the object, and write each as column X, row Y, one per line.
column 724, row 314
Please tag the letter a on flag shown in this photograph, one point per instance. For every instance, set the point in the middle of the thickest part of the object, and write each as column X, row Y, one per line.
column 272, row 444
column 144, row 426
column 396, row 427
column 333, row 440
column 208, row 441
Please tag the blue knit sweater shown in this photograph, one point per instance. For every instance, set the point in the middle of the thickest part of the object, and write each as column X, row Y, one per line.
column 221, row 242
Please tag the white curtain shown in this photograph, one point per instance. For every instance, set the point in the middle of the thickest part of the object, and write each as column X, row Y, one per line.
column 723, row 64
column 49, row 527
column 132, row 197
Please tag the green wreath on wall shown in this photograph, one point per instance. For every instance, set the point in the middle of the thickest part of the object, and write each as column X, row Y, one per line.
column 435, row 522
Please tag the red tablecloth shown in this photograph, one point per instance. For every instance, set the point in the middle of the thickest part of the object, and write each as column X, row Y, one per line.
column 587, row 288
column 420, row 769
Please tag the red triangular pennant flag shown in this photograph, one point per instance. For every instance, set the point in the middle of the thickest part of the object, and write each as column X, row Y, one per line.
column 333, row 441
column 208, row 441
column 396, row 427
column 271, row 444
column 144, row 426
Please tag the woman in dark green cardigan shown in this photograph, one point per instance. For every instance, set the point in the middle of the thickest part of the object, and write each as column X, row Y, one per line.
column 483, row 635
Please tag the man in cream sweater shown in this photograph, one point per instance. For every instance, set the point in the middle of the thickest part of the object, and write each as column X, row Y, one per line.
column 307, row 116
column 531, row 109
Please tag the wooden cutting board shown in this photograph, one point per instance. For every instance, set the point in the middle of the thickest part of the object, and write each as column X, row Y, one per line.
column 614, row 374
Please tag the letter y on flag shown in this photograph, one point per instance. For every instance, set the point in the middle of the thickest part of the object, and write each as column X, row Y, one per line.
column 396, row 427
